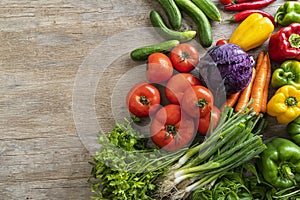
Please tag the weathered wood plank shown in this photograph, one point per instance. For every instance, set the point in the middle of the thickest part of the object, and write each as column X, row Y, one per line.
column 51, row 189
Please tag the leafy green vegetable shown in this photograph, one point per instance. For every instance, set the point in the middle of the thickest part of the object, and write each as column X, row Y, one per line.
column 234, row 185
column 125, row 168
column 231, row 186
column 111, row 180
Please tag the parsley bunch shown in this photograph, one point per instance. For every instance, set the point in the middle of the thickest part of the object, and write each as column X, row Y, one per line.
column 125, row 168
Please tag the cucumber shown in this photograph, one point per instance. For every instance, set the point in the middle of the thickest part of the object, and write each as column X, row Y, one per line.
column 200, row 19
column 173, row 13
column 209, row 9
column 167, row 33
column 142, row 53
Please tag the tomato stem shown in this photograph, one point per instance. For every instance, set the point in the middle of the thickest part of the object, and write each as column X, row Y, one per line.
column 144, row 100
column 185, row 56
column 201, row 103
column 171, row 129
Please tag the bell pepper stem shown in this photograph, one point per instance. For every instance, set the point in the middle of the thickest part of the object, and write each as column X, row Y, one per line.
column 288, row 75
column 291, row 101
column 287, row 172
column 294, row 40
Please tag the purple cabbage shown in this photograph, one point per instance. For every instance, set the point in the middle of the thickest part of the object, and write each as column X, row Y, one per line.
column 234, row 66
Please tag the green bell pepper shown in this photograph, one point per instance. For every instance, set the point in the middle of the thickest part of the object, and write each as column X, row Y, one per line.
column 287, row 74
column 288, row 13
column 280, row 163
column 293, row 129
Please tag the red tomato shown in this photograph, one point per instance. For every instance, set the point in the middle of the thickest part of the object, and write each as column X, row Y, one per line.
column 204, row 122
column 177, row 85
column 226, row 2
column 143, row 99
column 184, row 57
column 160, row 68
column 171, row 129
column 222, row 41
column 197, row 101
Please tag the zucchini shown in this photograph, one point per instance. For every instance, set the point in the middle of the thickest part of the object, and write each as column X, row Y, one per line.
column 142, row 53
column 209, row 9
column 167, row 33
column 173, row 13
column 200, row 19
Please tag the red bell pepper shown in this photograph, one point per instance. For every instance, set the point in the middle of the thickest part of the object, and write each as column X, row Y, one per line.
column 285, row 43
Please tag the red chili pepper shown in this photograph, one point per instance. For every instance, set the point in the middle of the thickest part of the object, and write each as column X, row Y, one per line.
column 248, row 5
column 245, row 13
column 227, row 2
column 242, row 1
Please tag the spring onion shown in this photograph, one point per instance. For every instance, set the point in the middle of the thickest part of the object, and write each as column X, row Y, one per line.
column 236, row 140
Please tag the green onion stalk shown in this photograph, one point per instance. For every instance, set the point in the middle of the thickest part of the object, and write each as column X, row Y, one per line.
column 236, row 140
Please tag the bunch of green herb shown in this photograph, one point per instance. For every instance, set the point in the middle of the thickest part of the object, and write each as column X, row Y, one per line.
column 236, row 140
column 125, row 168
column 242, row 183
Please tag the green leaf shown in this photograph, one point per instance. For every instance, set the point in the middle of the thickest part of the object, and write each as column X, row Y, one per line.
column 118, row 153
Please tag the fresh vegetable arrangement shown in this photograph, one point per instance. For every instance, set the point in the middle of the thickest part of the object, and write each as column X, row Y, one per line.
column 201, row 146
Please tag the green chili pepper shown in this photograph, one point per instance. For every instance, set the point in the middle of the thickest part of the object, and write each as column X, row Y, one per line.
column 287, row 74
column 288, row 13
column 280, row 163
column 293, row 129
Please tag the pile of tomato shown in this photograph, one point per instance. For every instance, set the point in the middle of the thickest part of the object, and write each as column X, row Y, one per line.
column 190, row 109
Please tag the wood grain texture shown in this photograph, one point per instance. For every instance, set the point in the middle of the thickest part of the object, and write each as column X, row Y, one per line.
column 43, row 44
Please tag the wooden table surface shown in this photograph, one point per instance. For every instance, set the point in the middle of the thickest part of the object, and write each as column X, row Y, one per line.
column 43, row 46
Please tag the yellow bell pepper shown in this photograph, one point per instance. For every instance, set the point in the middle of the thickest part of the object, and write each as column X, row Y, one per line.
column 285, row 104
column 252, row 32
